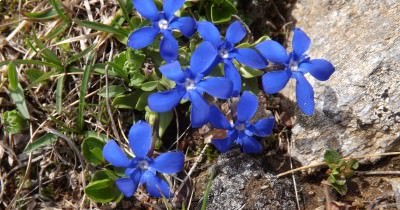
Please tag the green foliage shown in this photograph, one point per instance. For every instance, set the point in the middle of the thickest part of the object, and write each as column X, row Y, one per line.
column 102, row 187
column 222, row 10
column 45, row 140
column 339, row 170
column 16, row 91
column 14, row 122
column 92, row 149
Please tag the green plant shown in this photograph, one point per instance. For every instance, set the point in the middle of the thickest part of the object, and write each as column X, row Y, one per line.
column 340, row 170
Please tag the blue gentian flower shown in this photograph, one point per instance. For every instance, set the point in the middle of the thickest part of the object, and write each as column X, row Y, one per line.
column 191, row 84
column 143, row 169
column 227, row 51
column 295, row 65
column 162, row 22
column 242, row 131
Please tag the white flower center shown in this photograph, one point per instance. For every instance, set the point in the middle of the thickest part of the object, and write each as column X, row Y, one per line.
column 240, row 127
column 224, row 53
column 163, row 24
column 189, row 84
column 294, row 65
column 143, row 165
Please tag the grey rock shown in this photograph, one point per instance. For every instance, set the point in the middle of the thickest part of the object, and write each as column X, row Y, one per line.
column 241, row 183
column 357, row 110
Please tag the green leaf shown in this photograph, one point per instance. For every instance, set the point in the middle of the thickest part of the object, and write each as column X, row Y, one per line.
column 79, row 55
column 102, row 27
column 331, row 157
column 341, row 189
column 16, row 91
column 58, row 6
column 165, row 120
column 149, row 86
column 221, row 13
column 247, row 45
column 92, row 149
column 251, row 84
column 59, row 92
column 137, row 79
column 104, row 174
column 29, row 62
column 33, row 74
column 14, row 122
column 46, row 14
column 83, row 90
column 44, row 140
column 113, row 90
column 12, row 77
column 127, row 101
column 103, row 191
column 248, row 72
column 43, row 77
column 57, row 30
column 142, row 101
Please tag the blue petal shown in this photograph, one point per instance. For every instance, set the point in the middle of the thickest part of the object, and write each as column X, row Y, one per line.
column 301, row 42
column 113, row 154
column 235, row 32
column 169, row 47
column 321, row 69
column 217, row 119
column 247, row 106
column 263, row 127
column 275, row 81
column 173, row 71
column 146, row 9
column 249, row 144
column 140, row 139
column 171, row 6
column 200, row 109
column 203, row 58
column 218, row 87
column 165, row 101
column 223, row 145
column 232, row 74
column 273, row 51
column 156, row 186
column 169, row 162
column 186, row 25
column 127, row 186
column 142, row 37
column 304, row 94
column 209, row 32
column 250, row 57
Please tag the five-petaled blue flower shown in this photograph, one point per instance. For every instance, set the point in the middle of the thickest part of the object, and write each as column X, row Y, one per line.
column 227, row 52
column 142, row 169
column 191, row 84
column 162, row 22
column 296, row 64
column 242, row 131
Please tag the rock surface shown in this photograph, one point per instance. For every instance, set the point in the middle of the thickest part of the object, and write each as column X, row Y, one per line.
column 241, row 183
column 358, row 109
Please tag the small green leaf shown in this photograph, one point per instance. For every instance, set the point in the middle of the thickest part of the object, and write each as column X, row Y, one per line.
column 149, row 86
column 251, row 84
column 331, row 157
column 222, row 12
column 16, row 91
column 102, row 27
column 14, row 122
column 46, row 14
column 59, row 93
column 44, row 140
column 103, row 191
column 165, row 120
column 126, row 101
column 137, row 79
column 92, row 149
column 142, row 101
column 104, row 174
column 113, row 91
column 33, row 74
column 83, row 90
column 248, row 72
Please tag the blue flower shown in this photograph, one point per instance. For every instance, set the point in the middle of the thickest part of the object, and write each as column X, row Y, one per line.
column 142, row 169
column 162, row 22
column 242, row 131
column 227, row 51
column 295, row 65
column 191, row 84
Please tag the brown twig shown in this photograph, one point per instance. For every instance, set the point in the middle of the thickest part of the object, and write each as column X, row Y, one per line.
column 347, row 158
